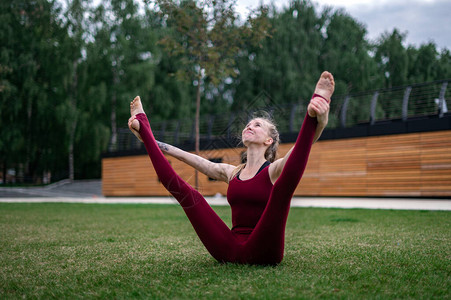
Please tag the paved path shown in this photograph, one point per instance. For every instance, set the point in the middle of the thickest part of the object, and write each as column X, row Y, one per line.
column 367, row 203
column 90, row 191
column 64, row 188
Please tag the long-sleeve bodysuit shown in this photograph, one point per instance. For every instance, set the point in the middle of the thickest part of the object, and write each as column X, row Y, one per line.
column 259, row 208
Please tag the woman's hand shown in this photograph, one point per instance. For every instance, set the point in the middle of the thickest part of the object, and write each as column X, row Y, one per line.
column 319, row 108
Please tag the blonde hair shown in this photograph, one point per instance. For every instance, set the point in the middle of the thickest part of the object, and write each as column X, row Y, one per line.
column 271, row 151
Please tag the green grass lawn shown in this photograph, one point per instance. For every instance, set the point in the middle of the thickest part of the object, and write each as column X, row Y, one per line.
column 151, row 251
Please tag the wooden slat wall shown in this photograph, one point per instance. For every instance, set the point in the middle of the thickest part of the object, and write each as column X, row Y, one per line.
column 417, row 165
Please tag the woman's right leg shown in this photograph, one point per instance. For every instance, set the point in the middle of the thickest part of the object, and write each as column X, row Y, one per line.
column 212, row 231
column 266, row 243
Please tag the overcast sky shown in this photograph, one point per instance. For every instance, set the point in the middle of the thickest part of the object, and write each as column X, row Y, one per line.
column 423, row 20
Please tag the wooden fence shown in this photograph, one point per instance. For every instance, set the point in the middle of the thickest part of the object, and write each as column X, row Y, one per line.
column 411, row 165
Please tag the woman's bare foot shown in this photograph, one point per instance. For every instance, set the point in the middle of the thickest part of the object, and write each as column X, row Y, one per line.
column 135, row 108
column 326, row 85
column 319, row 107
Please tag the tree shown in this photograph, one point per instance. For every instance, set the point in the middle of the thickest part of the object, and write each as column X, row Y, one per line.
column 121, row 58
column 34, row 86
column 11, row 138
column 206, row 38
column 76, row 27
column 286, row 64
column 423, row 65
column 346, row 53
column 444, row 65
column 391, row 57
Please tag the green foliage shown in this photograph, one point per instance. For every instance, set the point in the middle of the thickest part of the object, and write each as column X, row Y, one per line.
column 285, row 66
column 346, row 53
column 423, row 65
column 205, row 38
column 32, row 45
column 68, row 72
column 392, row 58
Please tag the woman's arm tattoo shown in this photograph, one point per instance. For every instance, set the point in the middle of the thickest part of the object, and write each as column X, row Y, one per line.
column 163, row 146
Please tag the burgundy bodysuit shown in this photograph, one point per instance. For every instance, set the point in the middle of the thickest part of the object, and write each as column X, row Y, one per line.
column 248, row 199
column 259, row 208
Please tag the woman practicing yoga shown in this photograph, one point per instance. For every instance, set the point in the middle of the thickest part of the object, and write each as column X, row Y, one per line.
column 259, row 191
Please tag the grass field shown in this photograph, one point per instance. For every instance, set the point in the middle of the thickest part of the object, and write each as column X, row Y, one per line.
column 151, row 251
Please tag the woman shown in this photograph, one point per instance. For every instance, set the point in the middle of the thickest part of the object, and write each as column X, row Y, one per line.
column 259, row 191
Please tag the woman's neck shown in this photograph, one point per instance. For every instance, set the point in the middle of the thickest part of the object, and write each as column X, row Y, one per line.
column 255, row 157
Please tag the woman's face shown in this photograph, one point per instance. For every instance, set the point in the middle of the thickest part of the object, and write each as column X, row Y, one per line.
column 256, row 131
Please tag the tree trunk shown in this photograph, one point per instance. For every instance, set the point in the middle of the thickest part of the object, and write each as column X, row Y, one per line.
column 28, row 169
column 73, row 126
column 197, row 142
column 4, row 172
column 113, row 141
column 71, row 149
